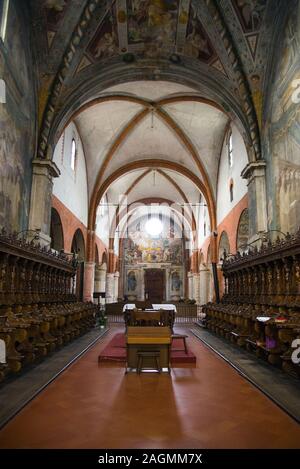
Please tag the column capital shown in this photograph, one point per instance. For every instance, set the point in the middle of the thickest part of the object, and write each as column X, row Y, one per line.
column 45, row 168
column 254, row 169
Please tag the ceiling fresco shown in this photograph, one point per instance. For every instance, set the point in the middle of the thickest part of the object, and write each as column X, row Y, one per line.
column 226, row 41
column 153, row 28
column 54, row 11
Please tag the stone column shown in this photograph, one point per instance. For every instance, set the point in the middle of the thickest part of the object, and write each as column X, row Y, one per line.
column 117, row 275
column 255, row 173
column 196, row 287
column 97, row 279
column 88, row 282
column 190, row 284
column 41, row 194
column 204, row 285
column 110, row 287
column 102, row 277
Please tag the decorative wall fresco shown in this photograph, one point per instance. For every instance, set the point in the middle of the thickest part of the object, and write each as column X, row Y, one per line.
column 131, row 281
column 243, row 230
column 152, row 24
column 282, row 136
column 176, row 281
column 150, row 250
column 105, row 42
column 152, row 29
column 250, row 13
column 197, row 43
column 55, row 11
column 17, row 123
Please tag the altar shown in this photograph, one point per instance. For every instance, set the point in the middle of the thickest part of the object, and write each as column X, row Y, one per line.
column 156, row 307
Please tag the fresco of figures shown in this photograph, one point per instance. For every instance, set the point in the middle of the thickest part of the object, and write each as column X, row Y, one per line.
column 153, row 251
column 17, row 137
column 250, row 13
column 55, row 10
column 105, row 43
column 152, row 24
column 197, row 42
column 283, row 136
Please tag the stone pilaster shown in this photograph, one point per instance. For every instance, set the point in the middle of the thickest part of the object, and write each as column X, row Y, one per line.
column 102, row 277
column 110, row 287
column 116, row 282
column 255, row 173
column 204, row 281
column 41, row 194
column 196, row 287
column 190, row 285
column 88, row 282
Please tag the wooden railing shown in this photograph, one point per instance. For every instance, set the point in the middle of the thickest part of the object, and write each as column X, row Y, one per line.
column 186, row 313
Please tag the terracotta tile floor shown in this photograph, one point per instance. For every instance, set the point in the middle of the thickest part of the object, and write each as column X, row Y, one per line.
column 97, row 406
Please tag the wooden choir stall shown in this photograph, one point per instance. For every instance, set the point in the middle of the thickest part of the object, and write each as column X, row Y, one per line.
column 39, row 312
column 260, row 309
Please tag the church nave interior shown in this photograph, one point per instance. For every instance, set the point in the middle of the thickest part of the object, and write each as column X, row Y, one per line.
column 149, row 224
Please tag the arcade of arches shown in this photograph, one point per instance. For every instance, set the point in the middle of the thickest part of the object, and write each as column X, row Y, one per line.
column 156, row 144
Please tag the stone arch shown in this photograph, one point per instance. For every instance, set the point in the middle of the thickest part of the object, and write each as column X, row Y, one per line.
column 56, row 231
column 224, row 245
column 96, row 254
column 242, row 235
column 100, row 189
column 87, row 89
column 78, row 245
column 104, row 258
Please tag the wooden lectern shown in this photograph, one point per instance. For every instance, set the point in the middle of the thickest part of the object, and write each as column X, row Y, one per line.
column 148, row 339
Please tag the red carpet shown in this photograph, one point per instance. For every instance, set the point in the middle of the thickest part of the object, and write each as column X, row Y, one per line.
column 116, row 351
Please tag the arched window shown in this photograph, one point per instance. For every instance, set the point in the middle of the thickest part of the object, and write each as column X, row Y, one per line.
column 230, row 150
column 73, row 154
column 231, row 191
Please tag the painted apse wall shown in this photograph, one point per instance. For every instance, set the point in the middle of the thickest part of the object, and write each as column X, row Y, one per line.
column 165, row 252
column 282, row 131
column 17, row 118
